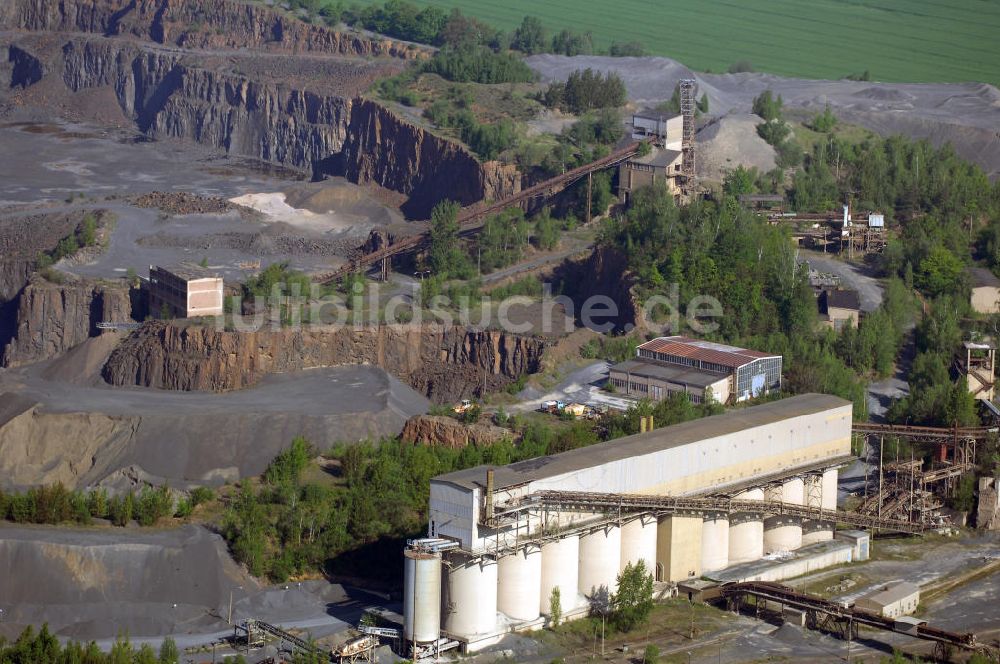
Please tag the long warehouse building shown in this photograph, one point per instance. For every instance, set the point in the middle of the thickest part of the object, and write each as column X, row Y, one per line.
column 500, row 577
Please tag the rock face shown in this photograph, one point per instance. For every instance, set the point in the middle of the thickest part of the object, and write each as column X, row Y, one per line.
column 209, row 24
column 380, row 147
column 603, row 273
column 302, row 113
column 448, row 432
column 53, row 318
column 169, row 98
column 443, row 363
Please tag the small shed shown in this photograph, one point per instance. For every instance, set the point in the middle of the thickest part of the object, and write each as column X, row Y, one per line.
column 892, row 600
column 840, row 307
column 985, row 297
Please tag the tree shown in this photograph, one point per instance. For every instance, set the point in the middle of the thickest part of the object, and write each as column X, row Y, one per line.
column 632, row 49
column 739, row 67
column 939, row 272
column 555, row 606
column 703, row 104
column 651, row 655
column 88, row 231
column 824, row 122
column 633, row 602
column 739, row 181
column 767, row 106
column 530, row 36
column 445, row 255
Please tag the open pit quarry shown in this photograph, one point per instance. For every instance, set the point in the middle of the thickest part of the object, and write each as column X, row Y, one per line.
column 229, row 134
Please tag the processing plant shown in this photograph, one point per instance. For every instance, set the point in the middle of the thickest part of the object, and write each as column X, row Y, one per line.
column 709, row 497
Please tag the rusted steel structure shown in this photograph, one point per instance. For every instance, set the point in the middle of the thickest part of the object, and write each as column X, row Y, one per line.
column 841, row 619
column 470, row 219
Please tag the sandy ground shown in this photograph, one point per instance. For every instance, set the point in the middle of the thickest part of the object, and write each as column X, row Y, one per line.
column 94, row 583
column 581, row 385
column 59, row 166
column 965, row 114
column 730, row 141
column 187, row 437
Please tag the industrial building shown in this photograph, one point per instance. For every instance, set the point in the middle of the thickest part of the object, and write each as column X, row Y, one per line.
column 839, row 308
column 660, row 167
column 680, row 364
column 667, row 130
column 184, row 292
column 502, row 538
column 892, row 600
column 985, row 295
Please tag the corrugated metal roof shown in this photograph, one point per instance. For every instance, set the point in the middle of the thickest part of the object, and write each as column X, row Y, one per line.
column 730, row 422
column 670, row 372
column 704, row 351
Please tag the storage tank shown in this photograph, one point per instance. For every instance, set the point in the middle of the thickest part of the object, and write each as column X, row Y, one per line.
column 560, row 568
column 746, row 531
column 714, row 542
column 816, row 531
column 520, row 577
column 421, row 596
column 793, row 491
column 470, row 596
column 600, row 560
column 639, row 543
column 782, row 533
column 830, row 489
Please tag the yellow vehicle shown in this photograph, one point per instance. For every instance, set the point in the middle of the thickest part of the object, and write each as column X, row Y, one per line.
column 464, row 405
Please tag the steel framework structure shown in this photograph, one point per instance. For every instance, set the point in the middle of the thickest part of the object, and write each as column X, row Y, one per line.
column 470, row 218
column 840, row 619
column 688, row 103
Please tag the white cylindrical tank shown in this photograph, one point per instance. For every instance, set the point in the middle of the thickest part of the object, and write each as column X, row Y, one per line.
column 714, row 542
column 421, row 596
column 782, row 533
column 520, row 578
column 470, row 596
column 560, row 569
column 793, row 491
column 746, row 531
column 816, row 531
column 746, row 538
column 600, row 560
column 639, row 543
column 830, row 489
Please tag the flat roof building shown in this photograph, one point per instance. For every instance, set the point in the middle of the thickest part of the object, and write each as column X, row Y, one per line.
column 665, row 129
column 692, row 458
column 656, row 381
column 892, row 600
column 184, row 292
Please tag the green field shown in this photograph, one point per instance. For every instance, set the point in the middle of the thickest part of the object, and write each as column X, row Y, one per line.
column 897, row 40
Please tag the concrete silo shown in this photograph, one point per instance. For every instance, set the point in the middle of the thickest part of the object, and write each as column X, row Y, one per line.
column 639, row 542
column 560, row 569
column 714, row 542
column 783, row 532
column 600, row 560
column 746, row 531
column 421, row 596
column 520, row 582
column 470, row 595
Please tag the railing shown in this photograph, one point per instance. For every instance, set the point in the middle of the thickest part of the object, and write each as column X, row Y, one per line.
column 630, row 503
